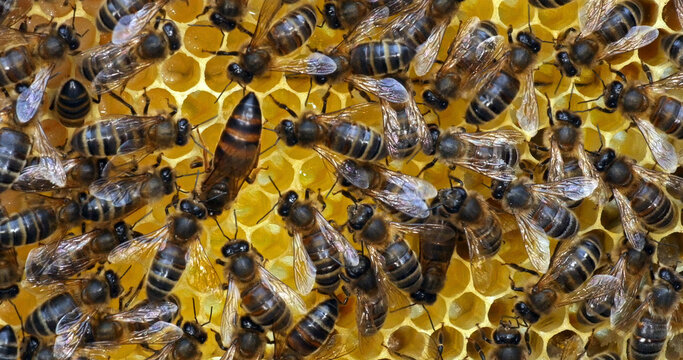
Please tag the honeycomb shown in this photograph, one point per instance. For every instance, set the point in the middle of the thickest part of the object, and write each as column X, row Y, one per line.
column 192, row 80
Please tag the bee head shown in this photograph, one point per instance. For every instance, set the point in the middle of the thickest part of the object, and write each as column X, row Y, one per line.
column 331, row 15
column 671, row 277
column 498, row 188
column 422, row 297
column 9, row 293
column 613, row 93
column 359, row 215
column 287, row 202
column 287, row 130
column 69, row 36
column 168, row 179
column 363, row 266
column 183, row 129
column 192, row 329
column 235, row 247
column 172, row 35
column 452, row 199
column 221, row 21
column 525, row 312
column 529, row 41
column 114, row 284
column 239, row 74
column 568, row 117
column 434, row 101
column 505, row 335
column 193, row 208
column 564, row 62
column 605, row 159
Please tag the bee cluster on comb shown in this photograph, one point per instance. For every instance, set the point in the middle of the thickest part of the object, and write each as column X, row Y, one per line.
column 323, row 179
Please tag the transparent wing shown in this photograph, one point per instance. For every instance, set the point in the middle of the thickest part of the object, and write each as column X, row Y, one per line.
column 662, row 150
column 397, row 300
column 12, row 37
column 636, row 38
column 535, row 241
column 364, row 30
column 393, row 127
column 30, row 99
column 336, row 346
column 288, row 295
column 411, row 199
column 146, row 313
column 17, row 10
column 229, row 321
column 354, row 113
column 388, row 89
column 679, row 10
column 334, row 237
column 202, row 275
column 588, row 170
column 496, row 137
column 462, row 44
column 478, row 261
column 629, row 221
column 556, row 164
column 406, row 19
column 160, row 332
column 304, row 271
column 658, row 177
column 433, row 231
column 624, row 316
column 573, row 188
column 31, row 178
column 592, row 14
column 129, row 26
column 163, row 354
column 120, row 68
column 49, row 167
column 141, row 246
column 60, row 259
column 118, row 192
column 230, row 352
column 489, row 57
column 71, row 329
column 352, row 172
column 364, row 309
column 427, row 52
column 527, row 114
column 671, row 82
column 265, row 18
column 314, row 64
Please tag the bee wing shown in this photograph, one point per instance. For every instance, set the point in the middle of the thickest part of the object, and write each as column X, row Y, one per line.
column 163, row 354
column 353, row 113
column 592, row 14
column 397, row 300
column 671, row 82
column 624, row 316
column 336, row 346
column 573, row 188
column 12, row 37
column 265, row 18
column 140, row 247
column 230, row 313
column 588, row 170
column 556, row 164
column 203, row 276
column 629, row 221
column 117, row 71
column 160, row 332
column 496, row 168
column 363, row 31
column 662, row 150
column 314, row 64
column 433, row 231
column 59, row 259
column 527, row 114
column 636, row 38
column 597, row 285
column 535, row 241
column 129, row 26
column 334, row 237
column 461, row 45
column 116, row 191
column 366, row 327
column 350, row 173
column 496, row 137
column 17, row 10
column 304, row 271
column 427, row 52
column 388, row 89
column 147, row 313
column 30, row 99
column 393, row 127
column 658, row 177
column 230, row 352
column 30, row 179
column 49, row 167
column 411, row 200
column 489, row 59
column 288, row 295
column 71, row 328
column 406, row 19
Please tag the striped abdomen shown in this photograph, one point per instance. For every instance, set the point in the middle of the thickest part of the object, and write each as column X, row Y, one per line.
column 548, row 4
column 266, row 308
column 416, row 34
column 483, row 225
column 493, row 154
column 648, row 338
column 492, row 98
column 368, row 287
column 435, row 257
column 595, row 314
column 72, row 103
column 10, row 272
column 606, row 356
column 43, row 320
column 28, row 226
column 585, row 256
column 14, row 149
column 481, row 33
column 402, row 267
column 408, row 136
column 325, row 258
column 556, row 220
column 356, row 141
column 672, row 45
column 311, row 332
column 382, row 57
column 113, row 10
column 293, row 30
column 15, row 65
column 668, row 116
column 104, row 138
column 98, row 209
column 9, row 348
column 167, row 268
column 571, row 169
column 651, row 204
column 620, row 20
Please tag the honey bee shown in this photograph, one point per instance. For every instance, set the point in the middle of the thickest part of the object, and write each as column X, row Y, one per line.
column 79, row 172
column 12, row 11
column 501, row 89
column 187, row 347
column 248, row 344
column 15, row 147
column 345, row 14
column 671, row 44
column 540, row 212
column 507, row 342
column 10, row 275
column 405, row 129
column 266, row 299
column 111, row 12
column 110, row 199
column 277, row 40
column 72, row 103
column 38, row 222
column 638, row 194
column 494, row 154
column 235, row 157
column 396, row 191
column 470, row 57
column 608, row 28
column 549, row 4
column 226, row 14
column 435, row 258
column 177, row 245
column 9, row 346
column 60, row 260
column 468, row 212
column 341, row 131
column 644, row 102
column 570, row 279
column 110, row 66
column 318, row 247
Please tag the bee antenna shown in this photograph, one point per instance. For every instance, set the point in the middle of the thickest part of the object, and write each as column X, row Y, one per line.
column 269, row 147
column 269, row 129
column 194, row 311
column 221, row 229
column 125, row 272
column 222, row 91
column 234, row 213
column 274, row 185
column 204, row 122
column 210, row 315
column 21, row 321
column 591, row 100
column 559, row 82
column 140, row 219
column 201, row 146
column 571, row 94
column 528, row 18
column 336, row 180
column 269, row 211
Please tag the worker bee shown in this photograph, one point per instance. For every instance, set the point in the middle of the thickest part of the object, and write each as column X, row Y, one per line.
column 422, row 27
column 176, row 245
column 435, row 258
column 79, row 172
column 266, row 299
column 494, row 154
column 638, row 194
column 644, row 102
column 507, row 343
column 471, row 56
column 277, row 40
column 112, row 12
column 72, row 103
column 62, row 259
column 226, row 14
column 540, row 211
column 236, row 155
column 15, row 147
column 608, row 28
column 41, row 221
column 342, row 131
column 570, row 279
column 318, row 247
column 10, row 275
column 109, row 66
column 396, row 191
column 500, row 90
column 671, row 44
column 345, row 14
column 468, row 212
column 110, row 199
column 12, row 11
column 249, row 341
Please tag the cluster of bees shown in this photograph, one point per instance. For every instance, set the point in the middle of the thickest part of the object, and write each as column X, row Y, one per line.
column 96, row 181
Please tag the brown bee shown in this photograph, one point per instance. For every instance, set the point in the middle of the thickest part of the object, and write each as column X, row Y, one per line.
column 39, row 222
column 79, row 172
column 12, row 11
column 249, row 341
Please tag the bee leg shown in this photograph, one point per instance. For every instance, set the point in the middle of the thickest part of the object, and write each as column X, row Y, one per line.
column 206, row 10
column 479, row 351
column 325, row 98
column 527, row 342
column 647, row 71
column 617, row 73
column 244, row 30
column 126, row 104
column 428, row 166
column 284, row 107
column 522, row 269
column 347, row 294
column 147, row 101
column 220, row 262
column 510, row 34
column 219, row 340
column 513, row 287
column 483, row 336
